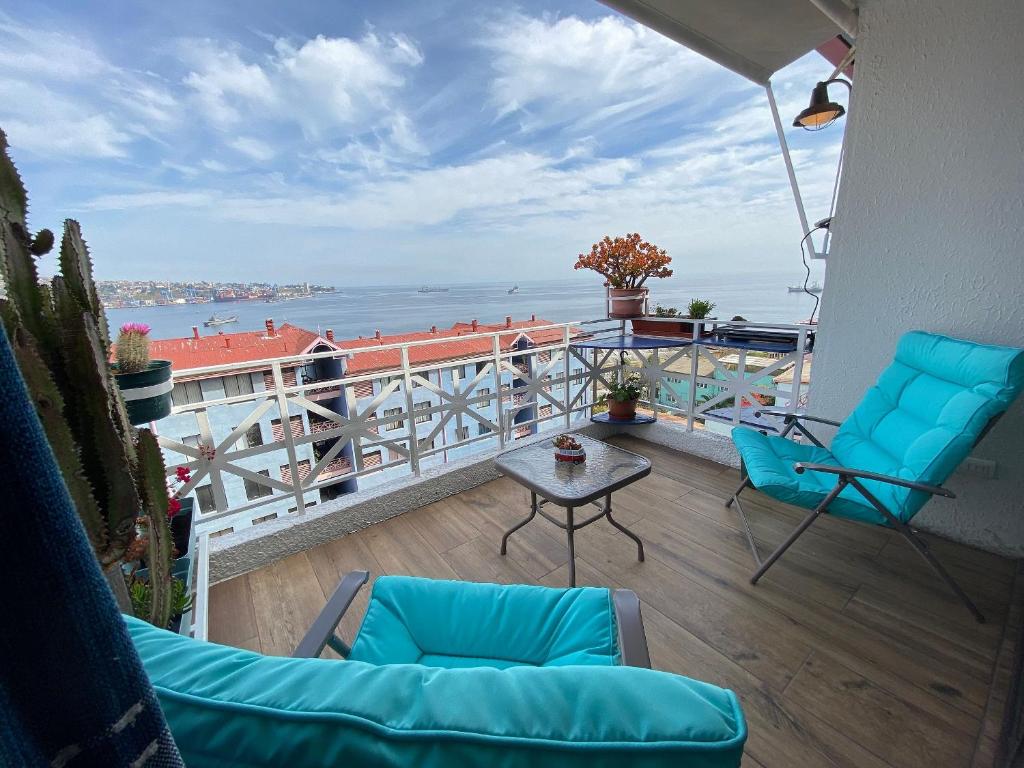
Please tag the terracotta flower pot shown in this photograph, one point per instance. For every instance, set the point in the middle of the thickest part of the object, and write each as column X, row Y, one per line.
column 621, row 409
column 678, row 328
column 626, row 302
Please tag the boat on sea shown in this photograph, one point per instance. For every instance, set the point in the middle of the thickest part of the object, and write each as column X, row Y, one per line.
column 428, row 289
column 214, row 320
column 513, row 289
column 812, row 288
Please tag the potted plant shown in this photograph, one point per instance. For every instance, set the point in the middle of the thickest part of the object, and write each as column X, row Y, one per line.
column 145, row 384
column 626, row 264
column 569, row 449
column 142, row 598
column 623, row 396
column 179, row 511
column 58, row 331
column 667, row 321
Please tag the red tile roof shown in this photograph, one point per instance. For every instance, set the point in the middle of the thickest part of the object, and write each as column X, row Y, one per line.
column 244, row 347
column 253, row 346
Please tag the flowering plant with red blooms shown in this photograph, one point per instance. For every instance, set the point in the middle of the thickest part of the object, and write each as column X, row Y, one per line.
column 181, row 476
column 626, row 262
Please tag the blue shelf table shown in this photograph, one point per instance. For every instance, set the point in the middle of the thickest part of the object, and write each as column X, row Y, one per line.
column 623, row 343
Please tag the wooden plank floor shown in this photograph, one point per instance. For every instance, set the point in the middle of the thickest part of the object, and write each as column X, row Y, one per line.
column 848, row 653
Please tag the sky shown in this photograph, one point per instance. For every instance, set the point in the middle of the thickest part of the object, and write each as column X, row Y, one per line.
column 395, row 142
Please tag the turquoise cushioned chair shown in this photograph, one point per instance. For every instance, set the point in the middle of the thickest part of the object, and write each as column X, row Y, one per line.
column 445, row 674
column 929, row 408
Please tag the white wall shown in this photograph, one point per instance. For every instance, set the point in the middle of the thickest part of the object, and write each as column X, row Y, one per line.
column 930, row 223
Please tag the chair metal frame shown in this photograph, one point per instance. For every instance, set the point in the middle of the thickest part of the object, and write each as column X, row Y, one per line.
column 852, row 477
column 628, row 620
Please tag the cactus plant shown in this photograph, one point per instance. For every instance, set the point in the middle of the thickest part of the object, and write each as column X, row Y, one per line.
column 133, row 348
column 59, row 336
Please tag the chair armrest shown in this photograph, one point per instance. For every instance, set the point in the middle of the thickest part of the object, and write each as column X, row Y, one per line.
column 632, row 640
column 796, row 416
column 322, row 631
column 862, row 474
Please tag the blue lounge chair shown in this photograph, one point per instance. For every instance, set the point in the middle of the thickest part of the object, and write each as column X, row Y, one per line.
column 446, row 673
column 929, row 408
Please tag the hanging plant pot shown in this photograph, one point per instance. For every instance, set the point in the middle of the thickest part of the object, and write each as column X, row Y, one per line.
column 147, row 394
column 626, row 302
column 621, row 409
column 181, row 526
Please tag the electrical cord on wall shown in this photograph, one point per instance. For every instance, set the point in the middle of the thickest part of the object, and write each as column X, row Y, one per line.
column 823, row 224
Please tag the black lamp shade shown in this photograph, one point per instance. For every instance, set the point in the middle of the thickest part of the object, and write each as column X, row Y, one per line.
column 821, row 112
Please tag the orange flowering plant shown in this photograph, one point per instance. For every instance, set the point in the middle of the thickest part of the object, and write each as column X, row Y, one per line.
column 626, row 262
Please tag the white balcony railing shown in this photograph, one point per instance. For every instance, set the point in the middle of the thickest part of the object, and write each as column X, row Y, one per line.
column 477, row 403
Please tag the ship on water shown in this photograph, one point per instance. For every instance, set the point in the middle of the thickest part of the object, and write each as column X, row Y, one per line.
column 428, row 289
column 812, row 288
column 513, row 289
column 214, row 320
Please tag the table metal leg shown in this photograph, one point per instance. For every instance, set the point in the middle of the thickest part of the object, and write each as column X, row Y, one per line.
column 624, row 529
column 517, row 526
column 572, row 549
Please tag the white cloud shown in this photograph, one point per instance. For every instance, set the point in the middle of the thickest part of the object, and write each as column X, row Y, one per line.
column 223, row 83
column 253, row 148
column 323, row 84
column 61, row 96
column 93, row 136
column 588, row 73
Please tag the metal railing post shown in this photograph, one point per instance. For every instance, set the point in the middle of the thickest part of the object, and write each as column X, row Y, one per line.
column 567, row 398
column 691, row 394
column 741, row 386
column 414, row 443
column 289, row 438
column 655, row 380
column 798, row 371
column 499, row 402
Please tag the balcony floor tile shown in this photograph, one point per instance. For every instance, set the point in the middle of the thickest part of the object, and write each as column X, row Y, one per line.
column 848, row 653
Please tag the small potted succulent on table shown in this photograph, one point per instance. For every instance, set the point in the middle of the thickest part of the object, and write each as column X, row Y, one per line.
column 145, row 384
column 626, row 264
column 624, row 395
column 667, row 321
column 569, row 449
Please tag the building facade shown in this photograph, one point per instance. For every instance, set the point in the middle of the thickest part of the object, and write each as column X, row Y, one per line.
column 448, row 399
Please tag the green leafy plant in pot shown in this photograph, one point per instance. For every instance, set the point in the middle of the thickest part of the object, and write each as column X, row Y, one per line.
column 623, row 396
column 145, row 384
column 668, row 321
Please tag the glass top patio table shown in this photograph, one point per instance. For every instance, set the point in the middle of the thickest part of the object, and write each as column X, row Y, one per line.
column 606, row 469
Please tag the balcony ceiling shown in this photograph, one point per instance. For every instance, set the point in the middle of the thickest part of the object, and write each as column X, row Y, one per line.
column 753, row 38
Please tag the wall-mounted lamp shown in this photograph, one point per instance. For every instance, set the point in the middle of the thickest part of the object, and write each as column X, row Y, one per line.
column 821, row 112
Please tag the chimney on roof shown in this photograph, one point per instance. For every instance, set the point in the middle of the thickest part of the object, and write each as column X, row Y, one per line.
column 533, row 318
column 330, row 335
column 474, row 324
column 433, row 329
column 376, row 334
column 508, row 321
column 195, row 332
column 271, row 333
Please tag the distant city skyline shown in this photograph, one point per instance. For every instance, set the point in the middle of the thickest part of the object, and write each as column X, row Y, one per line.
column 439, row 142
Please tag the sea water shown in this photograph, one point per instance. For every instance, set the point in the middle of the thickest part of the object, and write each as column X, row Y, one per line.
column 351, row 312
